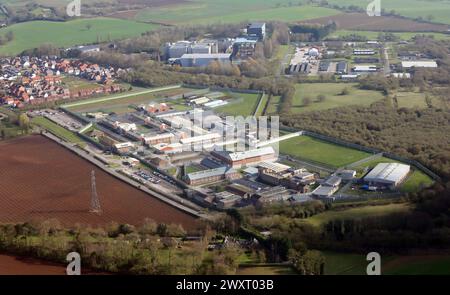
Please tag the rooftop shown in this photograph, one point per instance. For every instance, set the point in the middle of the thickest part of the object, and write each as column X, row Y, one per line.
column 210, row 173
column 391, row 172
column 208, row 55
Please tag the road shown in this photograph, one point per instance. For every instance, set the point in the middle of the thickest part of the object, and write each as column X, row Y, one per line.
column 387, row 64
column 120, row 96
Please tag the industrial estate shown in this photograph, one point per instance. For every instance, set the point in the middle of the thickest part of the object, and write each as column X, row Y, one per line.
column 253, row 147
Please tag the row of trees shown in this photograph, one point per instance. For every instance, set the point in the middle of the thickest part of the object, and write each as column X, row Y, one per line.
column 120, row 248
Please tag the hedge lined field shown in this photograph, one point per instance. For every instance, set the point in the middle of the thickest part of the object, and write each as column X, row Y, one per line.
column 232, row 11
column 32, row 34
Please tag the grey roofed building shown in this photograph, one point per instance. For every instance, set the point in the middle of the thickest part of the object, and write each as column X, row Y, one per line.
column 388, row 174
column 203, row 60
column 419, row 64
column 333, row 181
column 341, row 67
column 325, row 191
column 210, row 173
column 347, row 174
column 301, row 198
column 257, row 29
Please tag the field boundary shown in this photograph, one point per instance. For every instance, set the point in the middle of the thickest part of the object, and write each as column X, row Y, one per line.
column 120, row 96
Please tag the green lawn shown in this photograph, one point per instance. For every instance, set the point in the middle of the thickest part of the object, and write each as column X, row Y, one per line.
column 264, row 99
column 416, row 181
column 265, row 270
column 243, row 104
column 356, row 264
column 76, row 84
column 416, row 100
column 308, row 148
column 357, row 213
column 120, row 103
column 272, row 108
column 409, row 8
column 232, row 11
column 57, row 130
column 32, row 34
column 333, row 97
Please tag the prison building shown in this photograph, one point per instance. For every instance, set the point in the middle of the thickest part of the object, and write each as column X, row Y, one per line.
column 247, row 158
column 341, row 68
column 212, row 175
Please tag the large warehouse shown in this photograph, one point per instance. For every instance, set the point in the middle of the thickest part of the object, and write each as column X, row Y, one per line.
column 387, row 175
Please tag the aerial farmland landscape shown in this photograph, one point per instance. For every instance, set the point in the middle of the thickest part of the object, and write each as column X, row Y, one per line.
column 210, row 137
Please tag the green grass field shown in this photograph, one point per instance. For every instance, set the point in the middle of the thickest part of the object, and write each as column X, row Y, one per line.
column 333, row 97
column 232, row 11
column 243, row 104
column 308, row 148
column 272, row 108
column 57, row 130
column 120, row 103
column 357, row 213
column 409, row 8
column 416, row 181
column 417, row 100
column 265, row 270
column 356, row 264
column 264, row 100
column 65, row 34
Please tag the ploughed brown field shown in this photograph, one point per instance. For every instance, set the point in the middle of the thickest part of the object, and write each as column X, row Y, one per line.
column 11, row 265
column 361, row 21
column 41, row 180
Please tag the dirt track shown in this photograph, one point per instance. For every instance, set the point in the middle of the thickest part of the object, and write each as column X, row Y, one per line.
column 41, row 180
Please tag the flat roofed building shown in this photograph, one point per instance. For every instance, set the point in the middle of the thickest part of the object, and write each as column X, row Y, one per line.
column 160, row 138
column 202, row 139
column 275, row 167
column 333, row 181
column 212, row 175
column 257, row 29
column 387, row 174
column 203, row 60
column 341, row 67
column 323, row 192
column 368, row 68
column 124, row 147
column 247, row 158
column 419, row 64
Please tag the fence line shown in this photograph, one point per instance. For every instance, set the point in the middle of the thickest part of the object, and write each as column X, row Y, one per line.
column 344, row 143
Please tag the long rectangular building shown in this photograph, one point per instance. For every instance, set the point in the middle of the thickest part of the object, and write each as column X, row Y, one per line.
column 203, row 60
column 212, row 175
column 247, row 158
column 387, row 174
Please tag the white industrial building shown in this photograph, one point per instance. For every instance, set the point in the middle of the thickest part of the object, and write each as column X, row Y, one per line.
column 387, row 175
column 203, row 60
column 365, row 69
column 419, row 64
column 178, row 49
